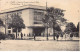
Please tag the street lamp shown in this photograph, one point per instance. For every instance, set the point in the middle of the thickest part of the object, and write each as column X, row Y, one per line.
column 47, row 30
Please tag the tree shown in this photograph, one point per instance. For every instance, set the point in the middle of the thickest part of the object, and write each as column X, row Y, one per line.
column 54, row 18
column 1, row 22
column 2, row 35
column 78, row 27
column 17, row 23
column 70, row 27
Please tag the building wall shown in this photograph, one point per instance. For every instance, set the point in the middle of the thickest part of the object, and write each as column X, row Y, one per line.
column 2, row 29
column 28, row 18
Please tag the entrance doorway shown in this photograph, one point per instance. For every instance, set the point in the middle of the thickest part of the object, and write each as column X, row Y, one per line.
column 38, row 31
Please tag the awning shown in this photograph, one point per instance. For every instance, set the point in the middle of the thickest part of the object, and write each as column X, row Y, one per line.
column 35, row 26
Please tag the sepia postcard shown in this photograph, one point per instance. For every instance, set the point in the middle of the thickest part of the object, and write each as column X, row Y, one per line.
column 39, row 25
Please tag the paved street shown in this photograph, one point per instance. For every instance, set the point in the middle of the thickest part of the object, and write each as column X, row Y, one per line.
column 31, row 45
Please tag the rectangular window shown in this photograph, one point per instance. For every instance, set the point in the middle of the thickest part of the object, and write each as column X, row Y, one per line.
column 9, row 31
column 38, row 17
column 9, row 27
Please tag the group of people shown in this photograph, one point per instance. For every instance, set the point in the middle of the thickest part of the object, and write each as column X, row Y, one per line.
column 57, row 36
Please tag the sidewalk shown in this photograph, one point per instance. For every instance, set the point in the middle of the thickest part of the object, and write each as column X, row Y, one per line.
column 51, row 38
column 29, row 45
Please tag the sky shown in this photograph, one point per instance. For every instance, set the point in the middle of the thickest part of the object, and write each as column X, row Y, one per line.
column 72, row 7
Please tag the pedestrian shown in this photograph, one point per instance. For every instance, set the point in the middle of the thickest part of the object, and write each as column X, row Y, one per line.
column 21, row 35
column 34, row 36
column 61, row 36
column 57, row 36
column 71, row 35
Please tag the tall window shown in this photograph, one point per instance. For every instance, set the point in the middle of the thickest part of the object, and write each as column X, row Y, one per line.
column 38, row 17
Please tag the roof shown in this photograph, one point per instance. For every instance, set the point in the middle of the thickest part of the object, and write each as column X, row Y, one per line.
column 23, row 7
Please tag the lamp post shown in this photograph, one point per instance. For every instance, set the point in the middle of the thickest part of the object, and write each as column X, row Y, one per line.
column 47, row 31
column 47, row 22
column 6, row 24
column 6, row 21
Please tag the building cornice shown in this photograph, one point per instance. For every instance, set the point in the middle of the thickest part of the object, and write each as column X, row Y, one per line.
column 23, row 8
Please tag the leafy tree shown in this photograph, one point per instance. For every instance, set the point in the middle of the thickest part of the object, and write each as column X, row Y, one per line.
column 2, row 35
column 54, row 18
column 70, row 29
column 78, row 27
column 17, row 23
column 1, row 22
